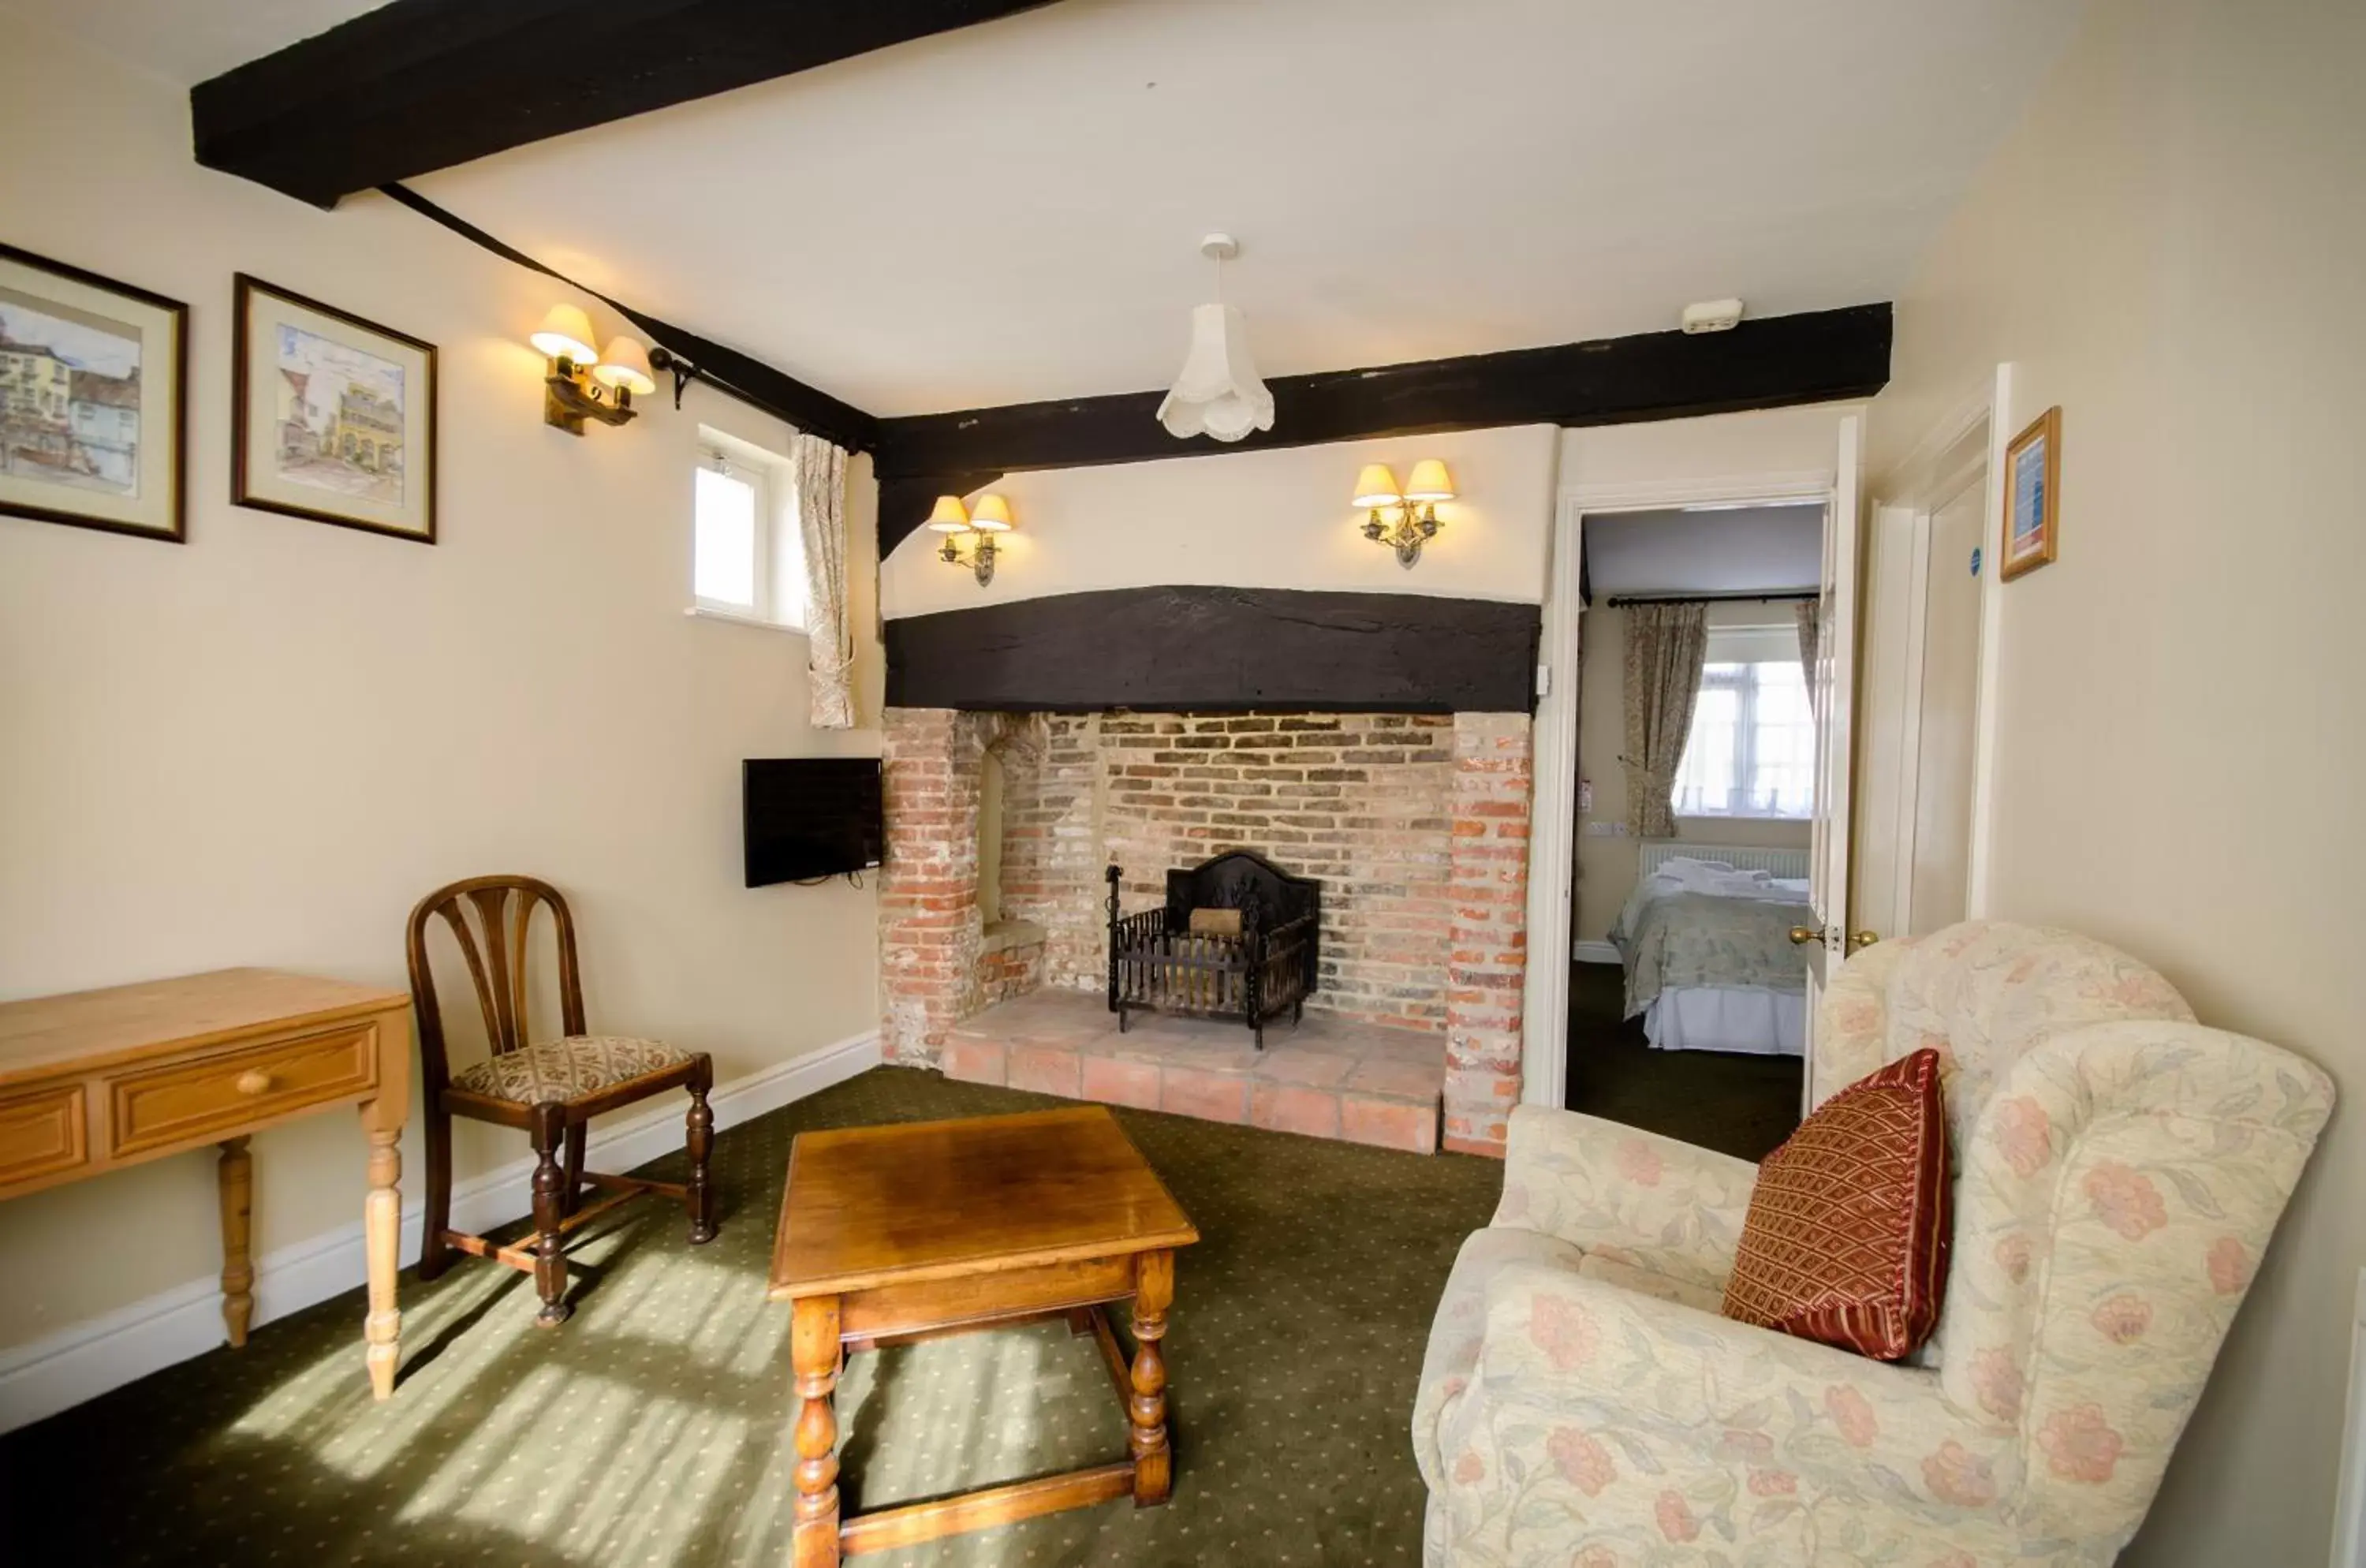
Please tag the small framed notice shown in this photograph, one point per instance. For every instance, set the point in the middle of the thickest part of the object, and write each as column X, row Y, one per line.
column 2033, row 467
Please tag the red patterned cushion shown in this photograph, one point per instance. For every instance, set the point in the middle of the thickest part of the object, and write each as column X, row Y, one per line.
column 1847, row 1237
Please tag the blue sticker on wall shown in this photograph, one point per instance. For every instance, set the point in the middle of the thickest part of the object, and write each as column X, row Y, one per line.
column 1976, row 560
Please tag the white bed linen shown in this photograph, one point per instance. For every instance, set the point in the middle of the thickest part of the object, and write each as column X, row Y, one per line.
column 1744, row 1019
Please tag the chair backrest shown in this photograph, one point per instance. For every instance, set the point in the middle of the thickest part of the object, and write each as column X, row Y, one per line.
column 489, row 917
column 2121, row 1168
column 1985, row 993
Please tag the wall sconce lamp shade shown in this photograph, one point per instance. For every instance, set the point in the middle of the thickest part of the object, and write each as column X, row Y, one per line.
column 584, row 384
column 566, row 334
column 1218, row 393
column 626, row 364
column 1414, row 522
column 1430, row 483
column 1377, row 486
column 978, row 524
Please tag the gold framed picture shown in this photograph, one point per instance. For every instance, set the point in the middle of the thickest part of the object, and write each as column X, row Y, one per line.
column 334, row 417
column 2033, row 497
column 93, row 382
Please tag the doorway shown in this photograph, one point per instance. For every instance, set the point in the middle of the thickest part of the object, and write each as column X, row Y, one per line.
column 1683, row 857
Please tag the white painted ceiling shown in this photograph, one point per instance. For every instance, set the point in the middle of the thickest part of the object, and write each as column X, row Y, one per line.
column 1753, row 549
column 1012, row 212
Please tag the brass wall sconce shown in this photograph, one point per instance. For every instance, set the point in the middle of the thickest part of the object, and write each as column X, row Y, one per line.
column 976, row 524
column 1415, row 506
column 584, row 384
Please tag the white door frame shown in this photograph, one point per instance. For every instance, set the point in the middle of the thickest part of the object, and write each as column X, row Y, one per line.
column 1921, row 486
column 1552, row 844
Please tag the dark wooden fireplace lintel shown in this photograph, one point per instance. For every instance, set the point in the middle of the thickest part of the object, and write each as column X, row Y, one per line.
column 1201, row 648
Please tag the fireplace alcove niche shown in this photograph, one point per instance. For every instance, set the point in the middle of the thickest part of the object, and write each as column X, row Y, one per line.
column 1000, row 826
column 1376, row 742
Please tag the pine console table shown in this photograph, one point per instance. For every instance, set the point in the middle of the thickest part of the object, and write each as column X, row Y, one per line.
column 97, row 1080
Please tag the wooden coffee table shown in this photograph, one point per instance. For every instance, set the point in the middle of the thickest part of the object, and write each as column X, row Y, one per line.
column 890, row 1234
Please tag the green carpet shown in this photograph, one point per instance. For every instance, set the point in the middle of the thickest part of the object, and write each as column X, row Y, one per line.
column 1736, row 1104
column 651, row 1428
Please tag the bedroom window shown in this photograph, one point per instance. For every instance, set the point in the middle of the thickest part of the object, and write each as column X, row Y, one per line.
column 1751, row 751
column 747, row 557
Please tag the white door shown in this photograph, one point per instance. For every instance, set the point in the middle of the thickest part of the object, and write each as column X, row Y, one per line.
column 1938, row 865
column 1826, row 937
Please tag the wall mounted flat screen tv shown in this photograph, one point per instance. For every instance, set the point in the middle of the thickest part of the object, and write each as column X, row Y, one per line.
column 809, row 816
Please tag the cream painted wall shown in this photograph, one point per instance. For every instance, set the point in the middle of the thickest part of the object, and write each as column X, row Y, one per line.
column 1719, row 448
column 1268, row 519
column 2167, row 248
column 262, row 745
column 1606, row 866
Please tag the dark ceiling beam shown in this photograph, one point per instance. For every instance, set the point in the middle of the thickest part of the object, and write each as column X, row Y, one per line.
column 1816, row 357
column 424, row 84
column 726, row 370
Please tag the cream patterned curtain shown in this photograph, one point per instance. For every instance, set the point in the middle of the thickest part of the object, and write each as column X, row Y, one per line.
column 821, row 520
column 1666, row 644
column 1811, row 625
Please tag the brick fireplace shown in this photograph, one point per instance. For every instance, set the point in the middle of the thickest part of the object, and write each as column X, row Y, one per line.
column 999, row 826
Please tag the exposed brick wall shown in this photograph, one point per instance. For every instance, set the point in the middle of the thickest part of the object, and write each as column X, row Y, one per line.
column 1008, row 968
column 927, row 882
column 1359, row 801
column 929, row 924
column 1416, row 824
column 1491, row 804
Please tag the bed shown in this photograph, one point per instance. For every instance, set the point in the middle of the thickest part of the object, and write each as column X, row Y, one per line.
column 1706, row 943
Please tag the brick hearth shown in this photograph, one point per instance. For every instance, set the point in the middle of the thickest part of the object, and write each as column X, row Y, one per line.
column 1417, row 825
column 1329, row 1077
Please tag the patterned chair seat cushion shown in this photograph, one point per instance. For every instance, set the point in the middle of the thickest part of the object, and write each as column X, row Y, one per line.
column 1460, row 1326
column 571, row 1068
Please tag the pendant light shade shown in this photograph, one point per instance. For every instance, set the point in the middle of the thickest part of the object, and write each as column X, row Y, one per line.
column 1219, row 392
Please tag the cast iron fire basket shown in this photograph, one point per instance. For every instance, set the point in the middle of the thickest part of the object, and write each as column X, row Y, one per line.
column 1250, row 954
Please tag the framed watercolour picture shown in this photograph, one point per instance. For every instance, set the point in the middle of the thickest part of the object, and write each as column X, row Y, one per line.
column 334, row 417
column 2033, row 467
column 94, row 379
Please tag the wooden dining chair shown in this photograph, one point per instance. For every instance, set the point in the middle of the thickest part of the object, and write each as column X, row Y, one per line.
column 551, row 1088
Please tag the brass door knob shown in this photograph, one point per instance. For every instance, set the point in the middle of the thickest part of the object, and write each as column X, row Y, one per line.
column 1863, row 940
column 1803, row 935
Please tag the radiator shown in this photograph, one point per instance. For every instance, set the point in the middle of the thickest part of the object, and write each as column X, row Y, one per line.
column 1775, row 863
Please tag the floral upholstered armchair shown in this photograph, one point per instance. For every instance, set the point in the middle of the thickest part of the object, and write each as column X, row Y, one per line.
column 2119, row 1168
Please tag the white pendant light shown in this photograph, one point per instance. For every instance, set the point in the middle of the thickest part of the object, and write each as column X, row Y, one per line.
column 1218, row 393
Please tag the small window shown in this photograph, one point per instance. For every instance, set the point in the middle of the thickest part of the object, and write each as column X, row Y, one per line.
column 1752, row 750
column 747, row 555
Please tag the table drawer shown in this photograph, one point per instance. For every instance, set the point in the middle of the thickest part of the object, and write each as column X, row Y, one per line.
column 212, row 1096
column 42, row 1133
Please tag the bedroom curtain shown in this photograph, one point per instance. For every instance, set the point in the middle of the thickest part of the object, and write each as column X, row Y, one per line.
column 1666, row 644
column 821, row 522
column 1811, row 628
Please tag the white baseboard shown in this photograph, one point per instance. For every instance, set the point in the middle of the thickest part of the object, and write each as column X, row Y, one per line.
column 87, row 1359
column 1593, row 952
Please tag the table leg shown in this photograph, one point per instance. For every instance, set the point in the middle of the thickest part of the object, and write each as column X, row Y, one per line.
column 1154, row 1293
column 813, row 1353
column 382, row 1242
column 235, row 1175
column 382, row 1209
